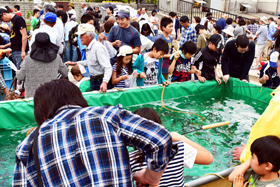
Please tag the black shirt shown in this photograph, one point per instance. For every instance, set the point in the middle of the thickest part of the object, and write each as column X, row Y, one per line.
column 274, row 80
column 237, row 64
column 208, row 59
column 17, row 23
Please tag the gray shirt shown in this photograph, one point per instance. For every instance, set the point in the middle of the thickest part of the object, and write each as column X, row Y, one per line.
column 98, row 60
column 253, row 177
column 262, row 31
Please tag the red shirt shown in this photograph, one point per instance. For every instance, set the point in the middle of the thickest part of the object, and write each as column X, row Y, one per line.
column 18, row 13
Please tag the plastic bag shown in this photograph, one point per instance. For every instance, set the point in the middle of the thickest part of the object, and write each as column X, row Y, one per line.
column 111, row 50
column 131, row 81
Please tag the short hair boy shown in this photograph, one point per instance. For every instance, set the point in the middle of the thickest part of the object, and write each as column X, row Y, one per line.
column 82, row 77
column 262, row 169
column 149, row 65
column 166, row 25
column 180, row 68
column 207, row 57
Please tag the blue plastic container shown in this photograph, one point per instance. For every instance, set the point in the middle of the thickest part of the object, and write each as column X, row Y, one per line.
column 6, row 73
column 2, row 95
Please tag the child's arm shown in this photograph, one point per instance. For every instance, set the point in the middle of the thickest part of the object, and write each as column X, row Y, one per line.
column 7, row 50
column 264, row 79
column 240, row 170
column 167, row 56
column 116, row 80
column 203, row 155
column 172, row 65
column 194, row 70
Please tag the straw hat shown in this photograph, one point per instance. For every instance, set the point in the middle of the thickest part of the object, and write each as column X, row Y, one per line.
column 38, row 7
column 71, row 4
column 229, row 31
column 264, row 19
column 125, row 50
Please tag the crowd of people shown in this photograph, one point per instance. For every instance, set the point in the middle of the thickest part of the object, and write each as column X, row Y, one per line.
column 120, row 51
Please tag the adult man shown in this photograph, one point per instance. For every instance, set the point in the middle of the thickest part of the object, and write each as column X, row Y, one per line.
column 49, row 20
column 60, row 7
column 269, row 42
column 16, row 9
column 92, row 151
column 59, row 26
column 176, row 25
column 18, row 35
column 97, row 60
column 188, row 32
column 110, row 11
column 278, row 25
column 253, row 27
column 70, row 50
column 261, row 40
column 144, row 14
column 222, row 21
column 237, row 58
column 84, row 8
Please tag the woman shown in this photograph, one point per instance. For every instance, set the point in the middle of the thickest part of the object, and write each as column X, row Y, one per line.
column 241, row 29
column 72, row 10
column 195, row 21
column 217, row 30
column 42, row 65
column 208, row 25
column 154, row 21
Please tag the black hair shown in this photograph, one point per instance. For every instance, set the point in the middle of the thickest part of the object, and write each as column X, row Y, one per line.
column 49, row 8
column 271, row 19
column 35, row 11
column 153, row 12
column 142, row 19
column 189, row 47
column 50, row 96
column 8, row 9
column 107, row 26
column 17, row 7
column 172, row 14
column 146, row 27
column 229, row 21
column 86, row 17
column 119, row 65
column 242, row 41
column 253, row 21
column 135, row 24
column 267, row 149
column 89, row 9
column 149, row 114
column 60, row 13
column 106, row 18
column 60, row 6
column 95, row 15
column 197, row 27
column 197, row 19
column 241, row 21
column 161, row 45
column 218, row 28
column 112, row 9
column 165, row 21
column 208, row 14
column 184, row 19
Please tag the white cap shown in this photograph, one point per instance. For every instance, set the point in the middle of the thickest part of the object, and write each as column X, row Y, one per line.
column 125, row 50
column 85, row 27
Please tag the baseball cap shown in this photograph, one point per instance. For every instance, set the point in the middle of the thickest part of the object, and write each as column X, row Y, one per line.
column 273, row 59
column 50, row 17
column 83, row 71
column 124, row 13
column 3, row 10
column 125, row 50
column 216, row 39
column 85, row 27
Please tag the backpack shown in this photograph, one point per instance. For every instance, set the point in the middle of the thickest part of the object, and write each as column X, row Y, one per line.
column 73, row 39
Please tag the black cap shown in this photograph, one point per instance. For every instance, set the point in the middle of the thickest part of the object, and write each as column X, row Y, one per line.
column 216, row 39
column 2, row 10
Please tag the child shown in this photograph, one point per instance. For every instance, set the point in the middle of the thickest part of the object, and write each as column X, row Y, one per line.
column 203, row 37
column 180, row 68
column 188, row 154
column 268, row 73
column 123, row 67
column 149, row 65
column 262, row 169
column 166, row 25
column 82, row 77
column 208, row 59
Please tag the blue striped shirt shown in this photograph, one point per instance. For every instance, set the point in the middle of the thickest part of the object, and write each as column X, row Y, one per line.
column 120, row 84
column 87, row 147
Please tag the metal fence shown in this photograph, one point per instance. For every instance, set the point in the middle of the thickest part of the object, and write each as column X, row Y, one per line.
column 185, row 8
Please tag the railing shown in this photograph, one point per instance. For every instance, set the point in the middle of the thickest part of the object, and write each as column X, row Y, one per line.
column 185, row 8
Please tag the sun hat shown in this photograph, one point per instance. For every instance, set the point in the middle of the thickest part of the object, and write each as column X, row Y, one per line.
column 217, row 41
column 4, row 26
column 83, row 71
column 273, row 59
column 38, row 7
column 85, row 27
column 43, row 49
column 50, row 17
column 229, row 31
column 125, row 50
column 124, row 13
column 135, row 19
column 264, row 19
column 71, row 4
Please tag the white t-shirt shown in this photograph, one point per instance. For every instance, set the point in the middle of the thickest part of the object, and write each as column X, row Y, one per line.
column 151, row 70
column 73, row 11
column 153, row 19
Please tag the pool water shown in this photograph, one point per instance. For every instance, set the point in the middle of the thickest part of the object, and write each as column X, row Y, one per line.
column 241, row 111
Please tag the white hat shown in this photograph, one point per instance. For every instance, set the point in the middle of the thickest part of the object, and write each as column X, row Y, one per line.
column 83, row 71
column 85, row 27
column 125, row 50
column 273, row 59
column 229, row 31
column 38, row 7
column 264, row 19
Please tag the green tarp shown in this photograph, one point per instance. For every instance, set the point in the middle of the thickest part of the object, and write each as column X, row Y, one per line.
column 15, row 113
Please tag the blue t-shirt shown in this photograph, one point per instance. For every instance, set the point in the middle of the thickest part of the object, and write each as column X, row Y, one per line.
column 222, row 23
column 120, row 84
column 166, row 61
column 182, row 70
column 273, row 81
column 6, row 38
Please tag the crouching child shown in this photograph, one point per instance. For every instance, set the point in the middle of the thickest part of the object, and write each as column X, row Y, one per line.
column 82, row 77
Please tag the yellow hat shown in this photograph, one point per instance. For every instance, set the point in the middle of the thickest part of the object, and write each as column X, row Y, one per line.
column 71, row 4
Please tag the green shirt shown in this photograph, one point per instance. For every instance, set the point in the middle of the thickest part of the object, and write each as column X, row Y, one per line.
column 34, row 22
column 85, row 86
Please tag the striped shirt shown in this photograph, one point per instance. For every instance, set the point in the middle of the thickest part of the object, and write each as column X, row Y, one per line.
column 174, row 173
column 87, row 147
column 2, row 82
column 120, row 84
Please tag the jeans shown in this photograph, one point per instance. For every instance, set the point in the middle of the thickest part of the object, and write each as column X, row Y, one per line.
column 156, row 32
column 17, row 59
column 70, row 51
column 95, row 84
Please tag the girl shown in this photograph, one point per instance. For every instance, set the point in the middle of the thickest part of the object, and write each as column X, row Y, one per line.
column 146, row 30
column 123, row 67
column 189, row 153
column 154, row 21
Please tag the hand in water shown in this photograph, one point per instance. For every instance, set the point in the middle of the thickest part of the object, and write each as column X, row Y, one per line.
column 237, row 151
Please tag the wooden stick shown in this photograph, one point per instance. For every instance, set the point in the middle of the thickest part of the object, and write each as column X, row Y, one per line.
column 215, row 125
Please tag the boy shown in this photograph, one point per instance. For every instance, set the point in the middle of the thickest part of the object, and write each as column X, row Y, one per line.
column 207, row 57
column 149, row 65
column 262, row 169
column 34, row 20
column 82, row 77
column 180, row 68
column 166, row 25
column 268, row 74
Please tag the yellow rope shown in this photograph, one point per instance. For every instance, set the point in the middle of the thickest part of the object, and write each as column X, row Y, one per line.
column 213, row 174
column 176, row 110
